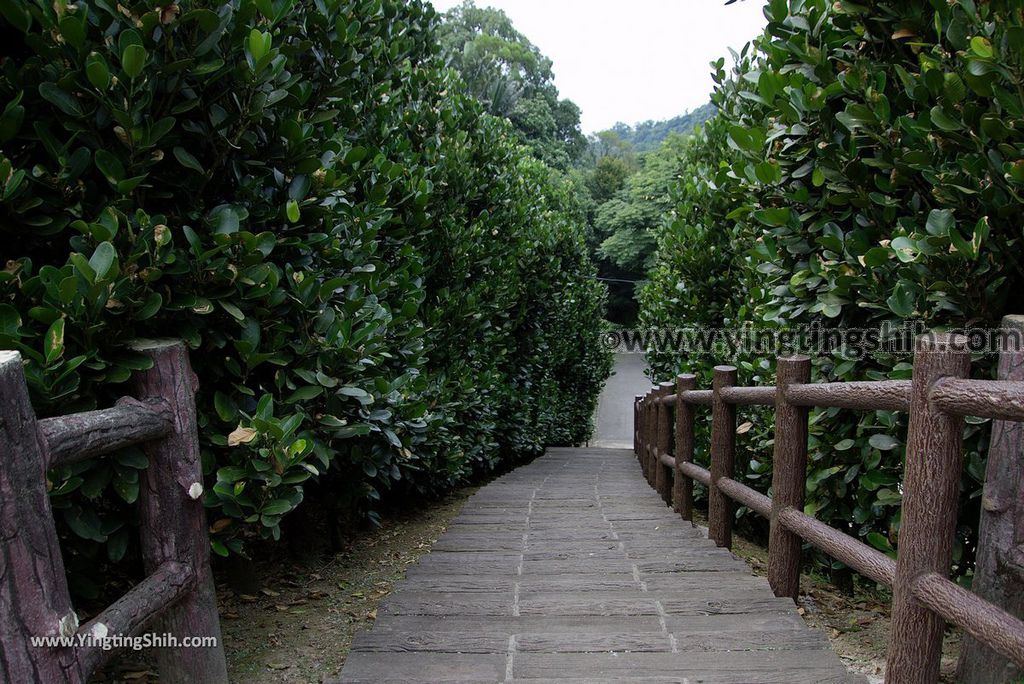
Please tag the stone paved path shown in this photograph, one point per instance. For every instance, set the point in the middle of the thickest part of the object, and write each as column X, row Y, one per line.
column 571, row 569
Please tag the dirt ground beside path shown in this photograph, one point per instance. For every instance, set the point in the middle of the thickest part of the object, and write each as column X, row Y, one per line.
column 298, row 628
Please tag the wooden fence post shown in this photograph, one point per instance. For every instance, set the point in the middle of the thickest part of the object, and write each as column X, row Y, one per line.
column 663, row 476
column 636, row 423
column 789, row 476
column 656, row 469
column 641, row 454
column 721, row 509
column 931, row 483
column 172, row 520
column 999, row 570
column 682, row 488
column 34, row 598
column 682, row 493
column 652, row 434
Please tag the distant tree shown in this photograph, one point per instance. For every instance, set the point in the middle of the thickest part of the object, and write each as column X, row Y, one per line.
column 627, row 223
column 609, row 143
column 513, row 79
column 608, row 178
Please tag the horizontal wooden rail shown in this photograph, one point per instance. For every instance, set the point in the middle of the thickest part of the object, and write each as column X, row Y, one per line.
column 978, row 617
column 134, row 611
column 884, row 395
column 700, row 397
column 80, row 436
column 754, row 500
column 999, row 399
column 937, row 398
column 839, row 545
column 695, row 472
column 749, row 396
column 738, row 396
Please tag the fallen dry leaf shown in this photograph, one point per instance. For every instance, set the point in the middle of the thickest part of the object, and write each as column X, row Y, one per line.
column 241, row 435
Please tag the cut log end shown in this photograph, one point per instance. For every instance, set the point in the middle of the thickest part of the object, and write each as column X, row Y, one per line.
column 145, row 344
column 11, row 358
column 1014, row 321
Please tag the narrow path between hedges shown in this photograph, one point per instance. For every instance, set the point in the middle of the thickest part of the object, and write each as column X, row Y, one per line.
column 572, row 569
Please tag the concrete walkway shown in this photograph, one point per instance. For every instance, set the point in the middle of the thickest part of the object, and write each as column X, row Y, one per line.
column 571, row 569
column 613, row 420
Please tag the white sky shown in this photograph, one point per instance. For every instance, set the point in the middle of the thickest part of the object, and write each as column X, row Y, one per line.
column 632, row 60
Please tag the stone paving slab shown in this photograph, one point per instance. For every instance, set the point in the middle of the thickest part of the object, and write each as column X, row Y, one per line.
column 571, row 569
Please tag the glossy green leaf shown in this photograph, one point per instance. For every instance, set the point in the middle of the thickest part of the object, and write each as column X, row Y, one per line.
column 61, row 99
column 133, row 60
column 97, row 71
column 186, row 159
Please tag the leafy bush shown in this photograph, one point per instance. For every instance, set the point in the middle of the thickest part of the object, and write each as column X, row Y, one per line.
column 379, row 286
column 873, row 170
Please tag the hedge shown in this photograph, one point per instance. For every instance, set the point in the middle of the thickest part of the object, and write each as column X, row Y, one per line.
column 382, row 291
column 866, row 169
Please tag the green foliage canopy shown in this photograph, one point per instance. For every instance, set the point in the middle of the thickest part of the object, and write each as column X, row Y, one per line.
column 509, row 74
column 382, row 290
column 627, row 223
column 868, row 156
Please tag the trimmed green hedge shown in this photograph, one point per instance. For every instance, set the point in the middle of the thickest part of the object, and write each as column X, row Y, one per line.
column 867, row 167
column 380, row 287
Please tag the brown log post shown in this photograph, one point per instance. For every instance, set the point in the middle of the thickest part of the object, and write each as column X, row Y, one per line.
column 650, row 458
column 656, row 469
column 641, row 454
column 641, row 409
column 789, row 476
column 931, row 483
column 638, row 426
column 999, row 569
column 682, row 489
column 34, row 598
column 663, row 476
column 721, row 509
column 641, row 428
column 636, row 423
column 172, row 520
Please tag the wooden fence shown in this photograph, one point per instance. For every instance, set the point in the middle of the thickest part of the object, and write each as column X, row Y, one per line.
column 177, row 597
column 937, row 398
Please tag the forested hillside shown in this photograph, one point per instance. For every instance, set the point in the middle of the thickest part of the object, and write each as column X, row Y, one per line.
column 864, row 169
column 385, row 293
column 647, row 136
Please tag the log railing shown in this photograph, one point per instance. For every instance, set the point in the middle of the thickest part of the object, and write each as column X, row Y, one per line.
column 937, row 398
column 177, row 596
